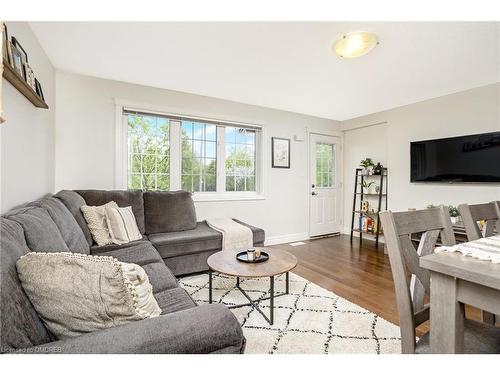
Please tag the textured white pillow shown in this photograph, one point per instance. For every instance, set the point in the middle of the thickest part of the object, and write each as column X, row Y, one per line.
column 122, row 225
column 78, row 293
column 95, row 216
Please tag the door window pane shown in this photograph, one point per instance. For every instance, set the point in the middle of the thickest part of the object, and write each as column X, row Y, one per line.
column 324, row 165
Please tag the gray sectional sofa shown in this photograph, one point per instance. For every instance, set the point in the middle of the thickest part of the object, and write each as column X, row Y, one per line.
column 56, row 224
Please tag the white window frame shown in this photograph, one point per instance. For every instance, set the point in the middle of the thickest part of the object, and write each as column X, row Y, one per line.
column 121, row 154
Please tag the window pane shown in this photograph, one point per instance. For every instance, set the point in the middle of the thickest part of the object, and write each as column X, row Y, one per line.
column 210, row 183
column 229, row 183
column 210, row 149
column 187, row 183
column 148, row 182
column 250, row 183
column 197, row 183
column 198, row 131
column 240, row 183
column 240, row 159
column 211, row 132
column 163, row 164
column 134, row 181
column 149, row 152
column 199, row 156
column 163, row 182
column 230, row 134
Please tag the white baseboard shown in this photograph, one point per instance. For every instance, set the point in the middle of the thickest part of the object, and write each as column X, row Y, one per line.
column 276, row 240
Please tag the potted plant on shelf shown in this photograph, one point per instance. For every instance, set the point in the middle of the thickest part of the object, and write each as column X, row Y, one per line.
column 454, row 214
column 367, row 165
column 366, row 186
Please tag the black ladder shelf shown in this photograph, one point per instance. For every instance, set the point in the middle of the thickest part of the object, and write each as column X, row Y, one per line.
column 361, row 195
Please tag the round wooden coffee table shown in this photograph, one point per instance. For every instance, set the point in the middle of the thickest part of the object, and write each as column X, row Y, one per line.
column 279, row 262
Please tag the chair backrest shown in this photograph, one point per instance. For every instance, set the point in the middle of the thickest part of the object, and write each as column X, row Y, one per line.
column 404, row 257
column 471, row 214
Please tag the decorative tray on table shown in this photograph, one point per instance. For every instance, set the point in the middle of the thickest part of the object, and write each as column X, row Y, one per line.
column 243, row 257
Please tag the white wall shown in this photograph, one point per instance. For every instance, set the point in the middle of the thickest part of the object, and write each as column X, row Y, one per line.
column 85, row 147
column 468, row 112
column 27, row 135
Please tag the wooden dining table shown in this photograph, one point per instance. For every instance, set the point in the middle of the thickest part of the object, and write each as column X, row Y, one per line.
column 457, row 280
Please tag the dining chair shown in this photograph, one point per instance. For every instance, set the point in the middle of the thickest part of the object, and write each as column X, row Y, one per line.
column 411, row 291
column 472, row 213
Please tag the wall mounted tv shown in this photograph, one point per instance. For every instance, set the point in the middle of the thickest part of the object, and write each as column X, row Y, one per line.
column 471, row 158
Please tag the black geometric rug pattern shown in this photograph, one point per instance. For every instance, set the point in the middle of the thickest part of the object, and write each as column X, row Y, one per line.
column 309, row 320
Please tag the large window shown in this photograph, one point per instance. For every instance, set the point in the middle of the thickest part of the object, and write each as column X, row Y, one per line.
column 172, row 153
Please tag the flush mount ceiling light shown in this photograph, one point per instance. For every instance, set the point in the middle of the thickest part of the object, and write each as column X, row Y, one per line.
column 355, row 44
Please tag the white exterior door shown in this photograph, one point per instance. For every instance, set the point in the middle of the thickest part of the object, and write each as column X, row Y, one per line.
column 324, row 187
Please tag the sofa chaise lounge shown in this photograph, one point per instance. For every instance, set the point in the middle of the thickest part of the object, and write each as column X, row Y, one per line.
column 55, row 223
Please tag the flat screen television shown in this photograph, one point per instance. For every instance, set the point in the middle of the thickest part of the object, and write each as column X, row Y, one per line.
column 471, row 158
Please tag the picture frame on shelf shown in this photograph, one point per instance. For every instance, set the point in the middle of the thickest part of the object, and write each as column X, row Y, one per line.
column 30, row 76
column 39, row 91
column 280, row 152
column 20, row 48
column 17, row 61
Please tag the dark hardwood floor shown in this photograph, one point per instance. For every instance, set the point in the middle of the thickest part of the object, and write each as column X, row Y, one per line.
column 360, row 274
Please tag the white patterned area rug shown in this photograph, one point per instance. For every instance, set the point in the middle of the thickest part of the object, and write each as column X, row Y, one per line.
column 309, row 320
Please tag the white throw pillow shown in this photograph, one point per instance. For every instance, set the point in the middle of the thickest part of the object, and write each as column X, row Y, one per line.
column 122, row 225
column 96, row 219
column 78, row 293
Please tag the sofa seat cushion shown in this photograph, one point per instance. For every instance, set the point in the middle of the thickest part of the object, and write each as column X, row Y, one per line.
column 200, row 239
column 67, row 224
column 145, row 255
column 40, row 231
column 173, row 300
column 169, row 211
column 259, row 235
column 123, row 198
column 73, row 203
column 20, row 325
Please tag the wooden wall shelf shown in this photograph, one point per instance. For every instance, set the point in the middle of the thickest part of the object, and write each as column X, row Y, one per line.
column 22, row 86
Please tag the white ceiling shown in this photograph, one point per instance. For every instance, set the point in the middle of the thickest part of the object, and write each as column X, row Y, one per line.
column 281, row 65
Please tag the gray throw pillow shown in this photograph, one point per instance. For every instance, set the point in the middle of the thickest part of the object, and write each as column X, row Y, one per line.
column 169, row 211
column 78, row 293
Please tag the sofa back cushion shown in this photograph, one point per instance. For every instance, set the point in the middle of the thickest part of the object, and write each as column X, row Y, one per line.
column 40, row 231
column 68, row 227
column 73, row 202
column 21, row 326
column 123, row 198
column 169, row 211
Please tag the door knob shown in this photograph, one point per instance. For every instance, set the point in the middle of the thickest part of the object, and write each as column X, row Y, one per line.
column 314, row 193
column 313, row 186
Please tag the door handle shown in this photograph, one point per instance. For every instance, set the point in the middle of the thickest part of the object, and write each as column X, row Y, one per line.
column 314, row 193
column 313, row 186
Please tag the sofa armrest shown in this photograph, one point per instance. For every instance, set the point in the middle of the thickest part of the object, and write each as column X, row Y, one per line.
column 202, row 329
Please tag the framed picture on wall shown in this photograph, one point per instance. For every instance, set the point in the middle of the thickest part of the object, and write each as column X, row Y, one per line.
column 280, row 152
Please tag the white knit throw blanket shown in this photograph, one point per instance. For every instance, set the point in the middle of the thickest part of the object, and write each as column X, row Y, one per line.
column 485, row 249
column 234, row 235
